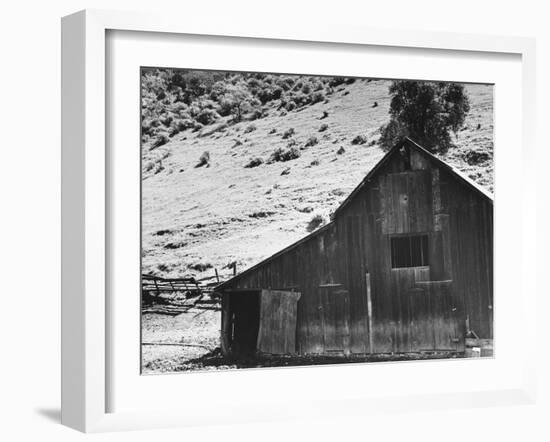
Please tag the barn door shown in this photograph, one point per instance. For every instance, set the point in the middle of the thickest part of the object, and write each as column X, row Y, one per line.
column 277, row 330
column 335, row 314
column 435, row 324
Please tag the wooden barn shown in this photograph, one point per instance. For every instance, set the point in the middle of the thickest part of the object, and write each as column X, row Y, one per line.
column 405, row 265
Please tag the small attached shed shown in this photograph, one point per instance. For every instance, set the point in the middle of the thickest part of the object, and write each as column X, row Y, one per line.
column 405, row 265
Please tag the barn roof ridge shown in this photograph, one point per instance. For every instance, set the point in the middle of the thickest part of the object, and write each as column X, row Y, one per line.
column 470, row 183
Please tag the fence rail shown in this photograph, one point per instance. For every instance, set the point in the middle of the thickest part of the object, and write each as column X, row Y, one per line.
column 173, row 296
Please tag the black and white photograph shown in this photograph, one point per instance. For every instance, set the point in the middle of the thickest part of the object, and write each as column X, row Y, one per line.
column 300, row 219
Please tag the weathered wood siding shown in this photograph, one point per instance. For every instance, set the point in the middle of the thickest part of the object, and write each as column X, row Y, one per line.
column 277, row 328
column 409, row 194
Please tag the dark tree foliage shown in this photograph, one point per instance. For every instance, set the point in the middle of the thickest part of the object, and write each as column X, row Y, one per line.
column 176, row 100
column 426, row 112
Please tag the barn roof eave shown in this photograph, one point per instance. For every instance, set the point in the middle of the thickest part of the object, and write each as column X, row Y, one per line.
column 471, row 183
column 228, row 283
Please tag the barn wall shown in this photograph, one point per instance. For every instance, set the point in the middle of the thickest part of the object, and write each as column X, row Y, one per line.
column 407, row 195
column 470, row 231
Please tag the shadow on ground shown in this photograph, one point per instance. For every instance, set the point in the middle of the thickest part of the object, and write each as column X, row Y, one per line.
column 214, row 360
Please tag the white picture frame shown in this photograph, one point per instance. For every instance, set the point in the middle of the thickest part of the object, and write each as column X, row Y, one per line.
column 85, row 213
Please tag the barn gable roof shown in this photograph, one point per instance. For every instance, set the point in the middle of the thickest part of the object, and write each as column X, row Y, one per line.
column 439, row 162
column 369, row 177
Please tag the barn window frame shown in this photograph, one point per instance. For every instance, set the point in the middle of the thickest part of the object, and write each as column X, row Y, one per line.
column 409, row 250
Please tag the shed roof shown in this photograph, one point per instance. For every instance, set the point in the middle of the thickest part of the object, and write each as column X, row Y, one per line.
column 370, row 175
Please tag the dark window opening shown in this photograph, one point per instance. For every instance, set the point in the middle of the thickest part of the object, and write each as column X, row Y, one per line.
column 409, row 251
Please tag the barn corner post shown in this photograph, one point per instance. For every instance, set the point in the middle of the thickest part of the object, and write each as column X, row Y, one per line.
column 226, row 325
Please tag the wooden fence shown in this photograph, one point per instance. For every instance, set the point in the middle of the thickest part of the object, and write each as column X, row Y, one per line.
column 173, row 296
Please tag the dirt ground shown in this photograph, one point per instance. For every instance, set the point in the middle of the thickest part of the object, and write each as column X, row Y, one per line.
column 190, row 342
column 178, row 339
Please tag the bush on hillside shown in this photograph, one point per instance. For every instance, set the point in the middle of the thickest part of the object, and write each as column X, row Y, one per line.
column 282, row 154
column 204, row 159
column 317, row 97
column 312, row 141
column 315, row 222
column 250, row 128
column 359, row 139
column 254, row 162
column 207, row 116
column 161, row 140
column 288, row 133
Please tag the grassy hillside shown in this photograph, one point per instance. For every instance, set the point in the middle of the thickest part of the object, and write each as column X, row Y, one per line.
column 242, row 201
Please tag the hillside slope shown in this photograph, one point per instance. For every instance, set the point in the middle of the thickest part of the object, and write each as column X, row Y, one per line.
column 195, row 219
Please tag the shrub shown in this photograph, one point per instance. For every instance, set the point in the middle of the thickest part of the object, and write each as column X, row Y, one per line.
column 312, row 141
column 186, row 123
column 161, row 140
column 282, row 154
column 254, row 162
column 272, row 131
column 163, row 232
column 167, row 120
column 301, row 99
column 359, row 139
column 204, row 159
column 290, row 105
column 336, row 81
column 207, row 116
column 341, row 150
column 257, row 114
column 200, row 267
column 314, row 163
column 225, row 107
column 261, row 214
column 323, row 127
column 250, row 128
column 265, row 95
column 288, row 133
column 315, row 222
column 473, row 157
column 175, row 245
column 317, row 97
column 277, row 92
